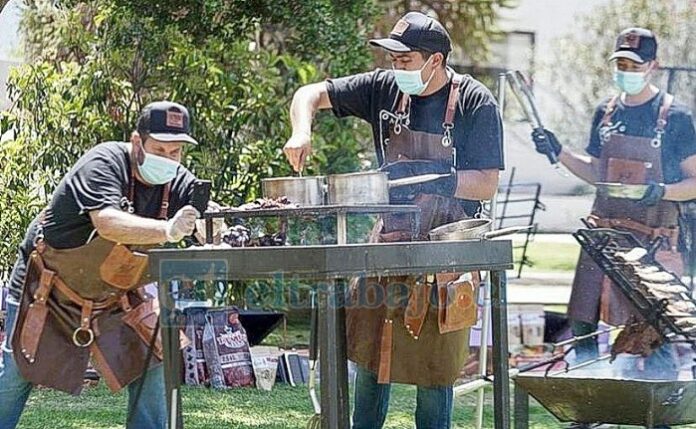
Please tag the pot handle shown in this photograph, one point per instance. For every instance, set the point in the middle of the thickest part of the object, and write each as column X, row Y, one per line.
column 505, row 231
column 415, row 180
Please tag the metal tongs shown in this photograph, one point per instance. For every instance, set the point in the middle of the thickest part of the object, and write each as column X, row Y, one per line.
column 524, row 95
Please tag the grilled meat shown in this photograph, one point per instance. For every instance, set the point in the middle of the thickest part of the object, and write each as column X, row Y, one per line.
column 636, row 339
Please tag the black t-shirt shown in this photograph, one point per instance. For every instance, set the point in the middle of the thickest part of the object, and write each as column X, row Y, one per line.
column 100, row 179
column 678, row 142
column 478, row 130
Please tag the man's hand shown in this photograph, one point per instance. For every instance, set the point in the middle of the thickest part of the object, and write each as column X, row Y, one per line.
column 546, row 142
column 446, row 186
column 652, row 195
column 297, row 149
column 182, row 224
column 218, row 223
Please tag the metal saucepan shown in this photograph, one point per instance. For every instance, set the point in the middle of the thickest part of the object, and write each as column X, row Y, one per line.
column 621, row 190
column 472, row 229
column 368, row 187
column 303, row 191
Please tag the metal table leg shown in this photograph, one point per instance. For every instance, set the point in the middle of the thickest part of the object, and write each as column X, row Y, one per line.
column 333, row 359
column 501, row 381
column 171, row 356
column 521, row 408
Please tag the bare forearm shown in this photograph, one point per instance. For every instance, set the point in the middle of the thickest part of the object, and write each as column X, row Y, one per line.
column 121, row 227
column 477, row 184
column 681, row 191
column 305, row 103
column 580, row 165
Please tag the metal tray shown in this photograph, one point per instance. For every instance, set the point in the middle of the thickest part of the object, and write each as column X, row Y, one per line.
column 613, row 401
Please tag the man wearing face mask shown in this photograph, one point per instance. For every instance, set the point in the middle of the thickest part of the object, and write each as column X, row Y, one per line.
column 640, row 136
column 425, row 118
column 76, row 292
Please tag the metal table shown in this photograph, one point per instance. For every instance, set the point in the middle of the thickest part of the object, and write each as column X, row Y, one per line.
column 333, row 264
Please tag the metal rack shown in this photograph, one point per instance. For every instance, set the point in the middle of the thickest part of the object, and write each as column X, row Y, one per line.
column 341, row 213
column 531, row 199
column 603, row 245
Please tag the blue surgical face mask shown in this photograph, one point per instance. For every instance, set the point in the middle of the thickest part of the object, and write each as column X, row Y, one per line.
column 631, row 83
column 410, row 81
column 158, row 170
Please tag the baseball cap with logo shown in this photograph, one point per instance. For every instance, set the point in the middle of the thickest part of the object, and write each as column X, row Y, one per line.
column 416, row 32
column 166, row 121
column 637, row 44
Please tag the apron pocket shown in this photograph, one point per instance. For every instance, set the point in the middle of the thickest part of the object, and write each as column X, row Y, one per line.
column 123, row 268
column 456, row 308
column 627, row 171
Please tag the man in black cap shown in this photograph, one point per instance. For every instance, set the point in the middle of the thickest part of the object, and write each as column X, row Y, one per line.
column 640, row 136
column 76, row 292
column 425, row 118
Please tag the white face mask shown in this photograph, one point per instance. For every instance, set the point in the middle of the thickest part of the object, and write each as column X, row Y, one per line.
column 157, row 170
column 410, row 81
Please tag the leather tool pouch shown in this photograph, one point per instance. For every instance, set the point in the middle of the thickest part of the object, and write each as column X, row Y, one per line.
column 143, row 320
column 627, row 171
column 41, row 336
column 123, row 268
column 417, row 308
column 456, row 303
column 35, row 318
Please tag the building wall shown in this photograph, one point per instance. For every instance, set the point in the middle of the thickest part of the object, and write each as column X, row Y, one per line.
column 10, row 47
column 546, row 20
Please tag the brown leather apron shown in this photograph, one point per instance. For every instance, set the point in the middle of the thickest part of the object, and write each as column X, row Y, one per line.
column 629, row 160
column 394, row 326
column 69, row 314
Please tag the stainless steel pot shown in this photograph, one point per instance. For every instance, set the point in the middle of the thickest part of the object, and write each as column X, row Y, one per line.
column 304, row 191
column 368, row 187
column 471, row 229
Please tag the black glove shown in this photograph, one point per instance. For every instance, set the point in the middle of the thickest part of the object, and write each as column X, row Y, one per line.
column 653, row 194
column 546, row 142
column 445, row 186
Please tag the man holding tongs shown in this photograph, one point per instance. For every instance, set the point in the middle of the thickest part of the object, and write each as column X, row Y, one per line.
column 642, row 158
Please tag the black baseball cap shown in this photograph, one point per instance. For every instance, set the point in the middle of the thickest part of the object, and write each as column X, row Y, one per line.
column 416, row 32
column 637, row 44
column 166, row 121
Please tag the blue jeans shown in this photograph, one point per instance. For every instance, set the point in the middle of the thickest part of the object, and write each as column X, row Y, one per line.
column 149, row 412
column 433, row 404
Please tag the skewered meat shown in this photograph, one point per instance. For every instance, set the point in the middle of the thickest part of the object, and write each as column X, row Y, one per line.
column 646, row 269
column 667, row 288
column 681, row 307
column 686, row 322
column 636, row 339
column 269, row 203
column 657, row 277
column 632, row 255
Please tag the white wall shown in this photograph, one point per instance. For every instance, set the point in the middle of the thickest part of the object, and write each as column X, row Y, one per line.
column 10, row 48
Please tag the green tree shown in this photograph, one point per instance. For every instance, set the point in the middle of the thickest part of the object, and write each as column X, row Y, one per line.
column 92, row 66
column 470, row 23
column 580, row 76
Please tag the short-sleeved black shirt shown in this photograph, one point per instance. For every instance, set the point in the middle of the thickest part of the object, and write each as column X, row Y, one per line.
column 478, row 130
column 678, row 142
column 101, row 178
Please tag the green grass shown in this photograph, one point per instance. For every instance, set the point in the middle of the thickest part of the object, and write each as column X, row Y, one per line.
column 283, row 408
column 546, row 256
